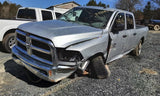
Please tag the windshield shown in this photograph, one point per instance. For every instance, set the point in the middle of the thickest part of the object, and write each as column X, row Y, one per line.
column 26, row 14
column 86, row 16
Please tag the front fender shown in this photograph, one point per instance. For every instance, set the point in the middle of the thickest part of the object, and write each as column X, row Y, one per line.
column 91, row 47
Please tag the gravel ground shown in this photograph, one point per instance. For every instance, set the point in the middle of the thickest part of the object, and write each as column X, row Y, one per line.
column 130, row 76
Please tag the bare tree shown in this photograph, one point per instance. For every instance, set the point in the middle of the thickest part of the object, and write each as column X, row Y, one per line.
column 157, row 1
column 128, row 5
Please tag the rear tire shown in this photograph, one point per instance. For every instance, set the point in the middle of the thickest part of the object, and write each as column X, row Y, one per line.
column 8, row 42
column 156, row 27
column 138, row 49
column 98, row 69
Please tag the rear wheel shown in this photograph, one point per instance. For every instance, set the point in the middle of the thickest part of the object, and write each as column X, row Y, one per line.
column 156, row 27
column 98, row 69
column 138, row 49
column 8, row 41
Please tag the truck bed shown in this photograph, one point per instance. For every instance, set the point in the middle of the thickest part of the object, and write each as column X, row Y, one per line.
column 140, row 26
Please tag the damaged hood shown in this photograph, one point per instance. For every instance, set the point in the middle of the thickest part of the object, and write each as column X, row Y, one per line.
column 61, row 33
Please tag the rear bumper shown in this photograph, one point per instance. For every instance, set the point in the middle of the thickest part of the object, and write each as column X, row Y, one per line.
column 47, row 72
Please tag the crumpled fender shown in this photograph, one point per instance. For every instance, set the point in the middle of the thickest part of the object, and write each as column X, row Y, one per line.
column 91, row 47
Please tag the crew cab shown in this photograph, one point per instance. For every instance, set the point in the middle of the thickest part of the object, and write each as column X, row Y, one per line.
column 24, row 15
column 82, row 39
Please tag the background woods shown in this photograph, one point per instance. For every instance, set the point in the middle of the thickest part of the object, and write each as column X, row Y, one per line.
column 8, row 10
column 151, row 9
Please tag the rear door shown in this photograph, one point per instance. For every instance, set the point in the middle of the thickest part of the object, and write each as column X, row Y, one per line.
column 117, row 38
column 131, row 33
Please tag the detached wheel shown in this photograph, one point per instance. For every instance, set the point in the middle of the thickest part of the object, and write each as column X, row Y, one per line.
column 98, row 69
column 156, row 27
column 8, row 42
column 138, row 49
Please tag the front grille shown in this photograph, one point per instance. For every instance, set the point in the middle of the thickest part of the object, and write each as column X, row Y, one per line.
column 44, row 56
column 36, row 47
column 40, row 44
column 22, row 46
column 21, row 37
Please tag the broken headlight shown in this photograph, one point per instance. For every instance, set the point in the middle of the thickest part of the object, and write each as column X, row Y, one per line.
column 70, row 56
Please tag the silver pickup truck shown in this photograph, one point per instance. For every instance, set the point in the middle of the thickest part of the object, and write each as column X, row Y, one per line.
column 83, row 39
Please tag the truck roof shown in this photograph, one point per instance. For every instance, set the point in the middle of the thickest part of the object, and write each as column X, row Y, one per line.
column 33, row 8
column 101, row 8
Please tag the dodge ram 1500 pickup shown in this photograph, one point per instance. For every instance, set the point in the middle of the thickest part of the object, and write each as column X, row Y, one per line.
column 82, row 39
column 24, row 15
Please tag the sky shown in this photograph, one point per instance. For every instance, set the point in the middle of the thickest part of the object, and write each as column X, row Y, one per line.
column 48, row 3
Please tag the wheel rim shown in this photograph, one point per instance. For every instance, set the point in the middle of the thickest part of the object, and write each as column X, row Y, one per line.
column 139, row 48
column 11, row 42
column 156, row 27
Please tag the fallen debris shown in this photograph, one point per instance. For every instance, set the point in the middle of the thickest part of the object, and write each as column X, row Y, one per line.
column 148, row 71
column 119, row 79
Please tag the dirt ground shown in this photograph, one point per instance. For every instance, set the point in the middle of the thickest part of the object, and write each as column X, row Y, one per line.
column 130, row 76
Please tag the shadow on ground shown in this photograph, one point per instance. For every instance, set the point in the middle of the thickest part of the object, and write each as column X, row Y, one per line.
column 23, row 74
column 1, row 48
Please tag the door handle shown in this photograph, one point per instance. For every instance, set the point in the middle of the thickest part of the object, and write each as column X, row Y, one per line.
column 113, row 45
column 134, row 34
column 124, row 36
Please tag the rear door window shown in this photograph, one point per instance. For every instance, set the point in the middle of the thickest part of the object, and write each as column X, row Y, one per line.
column 58, row 14
column 26, row 14
column 130, row 23
column 47, row 15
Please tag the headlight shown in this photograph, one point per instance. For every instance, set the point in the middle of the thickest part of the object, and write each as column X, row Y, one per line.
column 71, row 56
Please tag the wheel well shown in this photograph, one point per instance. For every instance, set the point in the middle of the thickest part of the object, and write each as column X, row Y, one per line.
column 142, row 40
column 9, row 31
column 98, row 54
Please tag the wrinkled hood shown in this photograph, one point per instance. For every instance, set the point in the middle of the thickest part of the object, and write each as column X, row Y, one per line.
column 61, row 33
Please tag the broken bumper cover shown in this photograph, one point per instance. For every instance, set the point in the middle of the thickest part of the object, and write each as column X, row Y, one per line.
column 47, row 72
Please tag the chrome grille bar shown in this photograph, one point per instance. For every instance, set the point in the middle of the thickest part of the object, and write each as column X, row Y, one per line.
column 40, row 49
column 22, row 42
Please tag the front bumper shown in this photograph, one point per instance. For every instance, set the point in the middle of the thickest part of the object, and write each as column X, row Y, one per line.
column 47, row 72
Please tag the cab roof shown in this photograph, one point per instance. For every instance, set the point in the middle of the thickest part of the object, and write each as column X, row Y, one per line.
column 108, row 9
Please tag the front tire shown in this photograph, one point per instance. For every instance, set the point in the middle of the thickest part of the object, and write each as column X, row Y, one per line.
column 8, row 42
column 98, row 69
column 138, row 49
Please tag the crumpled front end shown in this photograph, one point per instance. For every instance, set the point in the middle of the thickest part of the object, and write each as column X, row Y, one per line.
column 39, row 56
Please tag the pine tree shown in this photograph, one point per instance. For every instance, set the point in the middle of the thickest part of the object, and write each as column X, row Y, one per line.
column 92, row 3
column 147, row 11
column 101, row 4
